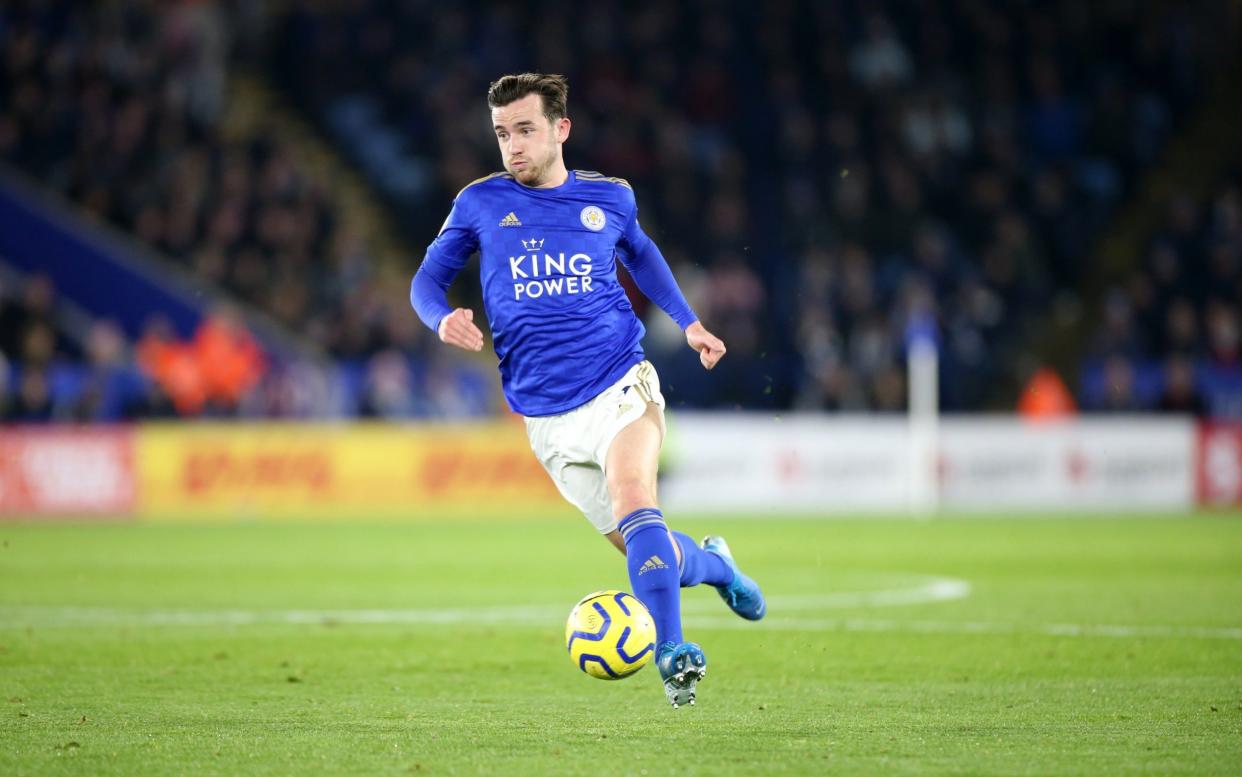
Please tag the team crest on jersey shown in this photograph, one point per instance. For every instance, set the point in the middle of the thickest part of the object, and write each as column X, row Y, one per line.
column 593, row 218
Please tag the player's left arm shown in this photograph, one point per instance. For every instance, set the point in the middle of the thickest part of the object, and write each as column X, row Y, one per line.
column 651, row 272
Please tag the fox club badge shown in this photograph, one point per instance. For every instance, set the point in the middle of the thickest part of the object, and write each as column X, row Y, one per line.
column 593, row 218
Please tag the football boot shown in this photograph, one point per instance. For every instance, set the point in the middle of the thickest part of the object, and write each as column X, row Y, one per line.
column 681, row 667
column 742, row 595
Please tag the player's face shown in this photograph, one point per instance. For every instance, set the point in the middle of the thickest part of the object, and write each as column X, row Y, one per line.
column 530, row 144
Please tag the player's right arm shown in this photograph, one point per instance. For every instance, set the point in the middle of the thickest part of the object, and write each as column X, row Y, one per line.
column 445, row 257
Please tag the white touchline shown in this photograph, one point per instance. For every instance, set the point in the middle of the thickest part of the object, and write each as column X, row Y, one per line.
column 973, row 627
column 935, row 589
column 929, row 590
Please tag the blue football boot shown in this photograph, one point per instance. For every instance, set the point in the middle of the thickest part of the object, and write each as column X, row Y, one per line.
column 742, row 595
column 681, row 667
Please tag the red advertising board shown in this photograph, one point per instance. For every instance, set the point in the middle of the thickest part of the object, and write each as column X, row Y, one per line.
column 1219, row 476
column 66, row 470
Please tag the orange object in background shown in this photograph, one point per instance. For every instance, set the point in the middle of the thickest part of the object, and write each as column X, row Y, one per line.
column 219, row 365
column 229, row 360
column 1045, row 398
column 171, row 364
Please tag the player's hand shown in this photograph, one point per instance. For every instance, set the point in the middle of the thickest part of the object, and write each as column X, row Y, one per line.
column 710, row 347
column 457, row 328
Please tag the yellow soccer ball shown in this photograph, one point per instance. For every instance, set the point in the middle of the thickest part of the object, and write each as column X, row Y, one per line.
column 610, row 635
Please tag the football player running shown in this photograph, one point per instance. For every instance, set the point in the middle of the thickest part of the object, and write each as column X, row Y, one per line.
column 569, row 348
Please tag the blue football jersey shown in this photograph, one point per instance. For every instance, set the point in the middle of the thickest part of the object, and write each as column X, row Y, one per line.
column 562, row 325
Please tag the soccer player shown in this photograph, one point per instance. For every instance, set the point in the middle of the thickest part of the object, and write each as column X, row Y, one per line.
column 569, row 347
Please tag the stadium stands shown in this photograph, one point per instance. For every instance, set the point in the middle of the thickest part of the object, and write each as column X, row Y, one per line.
column 812, row 170
column 121, row 108
column 1172, row 339
column 814, row 173
column 63, row 365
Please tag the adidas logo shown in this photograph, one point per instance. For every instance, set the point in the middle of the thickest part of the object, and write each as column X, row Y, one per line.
column 510, row 221
column 655, row 562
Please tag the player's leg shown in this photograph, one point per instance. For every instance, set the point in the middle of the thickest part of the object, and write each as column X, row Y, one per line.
column 634, row 484
column 630, row 476
column 698, row 565
column 741, row 593
column 616, row 539
column 630, row 472
column 695, row 563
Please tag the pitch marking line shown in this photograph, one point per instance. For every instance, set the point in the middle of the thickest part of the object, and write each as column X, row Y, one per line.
column 976, row 627
column 926, row 591
column 18, row 617
column 935, row 589
column 931, row 590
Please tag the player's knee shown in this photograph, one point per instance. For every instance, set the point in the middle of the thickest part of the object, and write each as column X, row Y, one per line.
column 629, row 494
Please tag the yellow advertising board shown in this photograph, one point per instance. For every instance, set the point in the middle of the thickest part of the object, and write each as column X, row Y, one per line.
column 297, row 470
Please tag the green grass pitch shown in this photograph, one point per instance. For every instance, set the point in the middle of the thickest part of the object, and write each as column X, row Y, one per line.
column 953, row 646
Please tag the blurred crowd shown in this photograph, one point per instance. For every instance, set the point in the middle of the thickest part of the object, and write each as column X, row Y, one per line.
column 816, row 173
column 819, row 175
column 45, row 375
column 121, row 106
column 59, row 364
column 1171, row 335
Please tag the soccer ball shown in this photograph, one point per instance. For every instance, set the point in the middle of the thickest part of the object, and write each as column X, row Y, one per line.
column 610, row 635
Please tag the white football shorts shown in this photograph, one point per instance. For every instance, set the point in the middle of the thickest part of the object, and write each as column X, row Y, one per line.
column 573, row 446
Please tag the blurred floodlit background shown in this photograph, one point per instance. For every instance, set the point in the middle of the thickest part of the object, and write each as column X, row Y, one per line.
column 212, row 210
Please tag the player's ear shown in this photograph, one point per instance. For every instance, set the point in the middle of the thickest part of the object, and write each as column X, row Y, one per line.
column 562, row 129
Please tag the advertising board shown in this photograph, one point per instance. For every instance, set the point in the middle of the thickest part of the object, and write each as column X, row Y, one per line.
column 66, row 470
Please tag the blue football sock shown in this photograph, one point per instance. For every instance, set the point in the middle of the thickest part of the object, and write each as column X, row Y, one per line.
column 652, row 563
column 699, row 566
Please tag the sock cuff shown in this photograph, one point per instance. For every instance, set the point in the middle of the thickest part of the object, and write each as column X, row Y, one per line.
column 688, row 546
column 642, row 518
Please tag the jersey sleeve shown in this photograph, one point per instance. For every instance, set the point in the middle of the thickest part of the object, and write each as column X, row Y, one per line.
column 445, row 257
column 651, row 272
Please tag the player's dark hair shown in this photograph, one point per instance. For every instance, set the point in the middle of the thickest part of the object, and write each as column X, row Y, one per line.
column 554, row 89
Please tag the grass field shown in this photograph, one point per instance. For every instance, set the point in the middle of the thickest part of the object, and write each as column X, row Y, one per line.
column 956, row 646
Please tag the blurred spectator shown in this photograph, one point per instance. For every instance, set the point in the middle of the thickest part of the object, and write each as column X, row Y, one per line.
column 171, row 365
column 112, row 389
column 26, row 324
column 228, row 359
column 880, row 60
column 1046, row 398
column 1119, row 396
column 33, row 402
column 1222, row 333
column 389, row 390
column 1181, row 392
